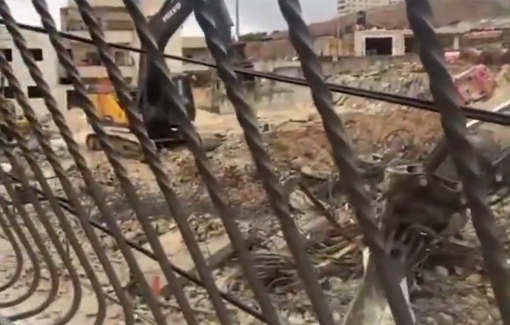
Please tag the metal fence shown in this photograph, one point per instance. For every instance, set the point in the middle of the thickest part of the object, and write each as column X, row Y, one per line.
column 29, row 247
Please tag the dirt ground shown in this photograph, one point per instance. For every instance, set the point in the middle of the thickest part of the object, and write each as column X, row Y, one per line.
column 296, row 142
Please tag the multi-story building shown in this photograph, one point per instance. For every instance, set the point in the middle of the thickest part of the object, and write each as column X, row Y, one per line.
column 118, row 28
column 345, row 7
column 46, row 59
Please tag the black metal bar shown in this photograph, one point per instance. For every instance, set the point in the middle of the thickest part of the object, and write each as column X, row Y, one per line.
column 345, row 160
column 248, row 121
column 463, row 153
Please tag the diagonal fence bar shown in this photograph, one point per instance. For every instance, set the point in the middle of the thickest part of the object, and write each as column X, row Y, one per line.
column 463, row 153
column 162, row 178
column 85, row 9
column 94, row 188
column 248, row 121
column 345, row 160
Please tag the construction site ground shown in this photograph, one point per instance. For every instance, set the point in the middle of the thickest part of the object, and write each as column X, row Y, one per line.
column 292, row 130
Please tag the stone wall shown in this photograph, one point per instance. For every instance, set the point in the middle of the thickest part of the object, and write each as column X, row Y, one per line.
column 274, row 95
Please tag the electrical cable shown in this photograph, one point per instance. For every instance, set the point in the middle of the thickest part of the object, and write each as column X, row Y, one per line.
column 472, row 113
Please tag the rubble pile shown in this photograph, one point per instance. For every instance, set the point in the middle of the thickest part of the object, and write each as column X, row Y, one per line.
column 301, row 153
column 443, row 260
column 411, row 81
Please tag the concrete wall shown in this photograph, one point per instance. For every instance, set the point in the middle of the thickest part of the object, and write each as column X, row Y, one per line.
column 48, row 66
column 344, row 64
column 397, row 37
column 274, row 95
column 201, row 54
column 448, row 35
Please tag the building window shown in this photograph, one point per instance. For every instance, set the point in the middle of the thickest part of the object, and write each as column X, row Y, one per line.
column 92, row 58
column 7, row 53
column 37, row 54
column 7, row 92
column 34, row 92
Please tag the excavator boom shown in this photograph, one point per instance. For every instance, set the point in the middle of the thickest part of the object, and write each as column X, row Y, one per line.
column 164, row 24
column 156, row 108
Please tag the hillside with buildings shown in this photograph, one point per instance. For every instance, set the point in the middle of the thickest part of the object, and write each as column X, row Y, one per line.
column 390, row 14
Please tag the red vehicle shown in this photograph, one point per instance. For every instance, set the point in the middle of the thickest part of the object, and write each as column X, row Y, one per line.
column 475, row 84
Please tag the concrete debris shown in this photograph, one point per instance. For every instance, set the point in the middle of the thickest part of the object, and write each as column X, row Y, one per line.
column 383, row 135
column 410, row 81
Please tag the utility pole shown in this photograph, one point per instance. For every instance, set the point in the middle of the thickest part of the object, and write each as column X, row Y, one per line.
column 238, row 29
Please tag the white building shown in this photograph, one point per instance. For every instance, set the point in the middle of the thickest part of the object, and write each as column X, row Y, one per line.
column 345, row 7
column 46, row 59
column 118, row 28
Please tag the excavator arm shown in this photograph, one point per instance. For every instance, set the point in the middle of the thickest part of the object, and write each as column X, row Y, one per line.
column 157, row 110
column 164, row 24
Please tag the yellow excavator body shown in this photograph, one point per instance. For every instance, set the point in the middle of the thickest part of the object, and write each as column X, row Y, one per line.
column 114, row 122
column 110, row 111
column 163, row 130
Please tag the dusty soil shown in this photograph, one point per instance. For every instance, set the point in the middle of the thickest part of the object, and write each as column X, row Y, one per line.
column 296, row 142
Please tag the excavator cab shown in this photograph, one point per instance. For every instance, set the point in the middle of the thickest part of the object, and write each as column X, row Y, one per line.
column 160, row 116
column 183, row 83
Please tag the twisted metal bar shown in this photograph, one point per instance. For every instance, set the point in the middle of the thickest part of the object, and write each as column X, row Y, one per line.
column 32, row 256
column 154, row 162
column 54, row 239
column 79, row 210
column 464, row 154
column 345, row 159
column 248, row 121
column 120, row 171
column 39, row 242
column 62, row 219
column 138, row 128
column 18, row 254
column 94, row 189
column 212, row 184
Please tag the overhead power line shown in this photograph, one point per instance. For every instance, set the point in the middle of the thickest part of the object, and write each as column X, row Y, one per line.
column 470, row 112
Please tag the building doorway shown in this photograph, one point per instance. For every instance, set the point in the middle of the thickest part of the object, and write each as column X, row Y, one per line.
column 411, row 46
column 71, row 99
column 378, row 46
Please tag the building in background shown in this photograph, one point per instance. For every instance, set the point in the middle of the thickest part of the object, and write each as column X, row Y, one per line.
column 46, row 59
column 118, row 28
column 194, row 47
column 345, row 7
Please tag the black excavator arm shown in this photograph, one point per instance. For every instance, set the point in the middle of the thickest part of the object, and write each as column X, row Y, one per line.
column 154, row 104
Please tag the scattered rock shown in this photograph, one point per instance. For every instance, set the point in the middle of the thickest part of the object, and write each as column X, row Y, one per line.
column 442, row 271
column 444, row 319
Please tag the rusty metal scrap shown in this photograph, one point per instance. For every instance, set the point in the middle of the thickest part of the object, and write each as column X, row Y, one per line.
column 407, row 217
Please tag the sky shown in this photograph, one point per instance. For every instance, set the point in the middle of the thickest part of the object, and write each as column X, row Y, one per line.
column 255, row 15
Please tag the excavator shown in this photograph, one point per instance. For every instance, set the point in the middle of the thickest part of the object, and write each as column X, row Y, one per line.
column 161, row 122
